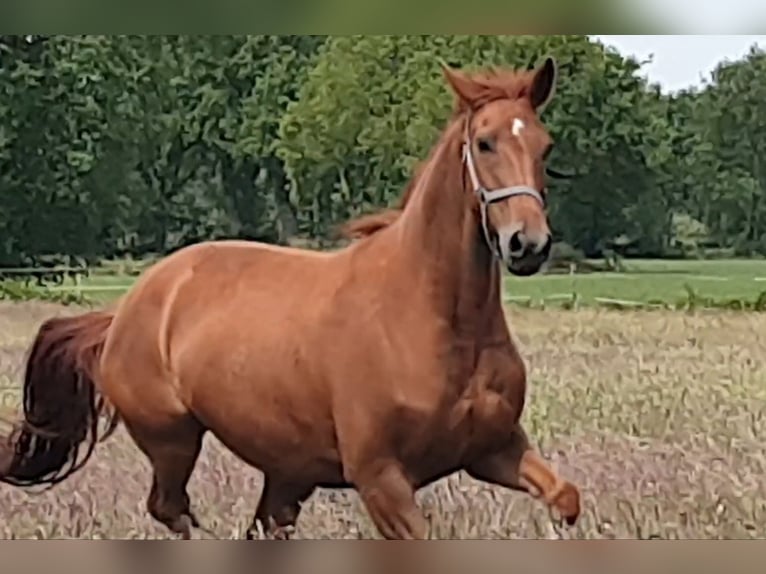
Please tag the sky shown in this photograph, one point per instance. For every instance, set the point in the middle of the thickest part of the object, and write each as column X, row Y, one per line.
column 681, row 61
column 702, row 16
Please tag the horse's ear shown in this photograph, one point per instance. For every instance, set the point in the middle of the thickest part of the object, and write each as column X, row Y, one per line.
column 543, row 85
column 466, row 90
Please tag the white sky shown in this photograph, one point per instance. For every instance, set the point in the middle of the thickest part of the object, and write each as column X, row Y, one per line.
column 703, row 16
column 681, row 61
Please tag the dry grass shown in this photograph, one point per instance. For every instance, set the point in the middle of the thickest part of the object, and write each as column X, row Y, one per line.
column 655, row 415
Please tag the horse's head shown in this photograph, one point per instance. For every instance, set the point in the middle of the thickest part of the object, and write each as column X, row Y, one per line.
column 505, row 148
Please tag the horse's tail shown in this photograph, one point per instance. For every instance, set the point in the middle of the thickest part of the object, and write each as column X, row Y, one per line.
column 62, row 404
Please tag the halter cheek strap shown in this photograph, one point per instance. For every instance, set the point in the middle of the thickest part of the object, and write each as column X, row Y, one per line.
column 487, row 197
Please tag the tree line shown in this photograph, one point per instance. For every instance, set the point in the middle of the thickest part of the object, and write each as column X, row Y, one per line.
column 115, row 145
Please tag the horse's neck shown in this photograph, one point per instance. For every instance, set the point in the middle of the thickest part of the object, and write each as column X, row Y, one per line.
column 444, row 246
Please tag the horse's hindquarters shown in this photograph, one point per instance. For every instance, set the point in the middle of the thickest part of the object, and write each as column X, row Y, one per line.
column 221, row 334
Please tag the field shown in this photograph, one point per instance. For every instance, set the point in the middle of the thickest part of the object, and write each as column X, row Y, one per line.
column 657, row 415
column 651, row 281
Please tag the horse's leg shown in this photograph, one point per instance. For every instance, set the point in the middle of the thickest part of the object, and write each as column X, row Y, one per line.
column 389, row 497
column 173, row 452
column 519, row 467
column 278, row 510
column 386, row 491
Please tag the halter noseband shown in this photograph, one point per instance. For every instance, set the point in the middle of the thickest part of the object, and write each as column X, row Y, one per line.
column 487, row 197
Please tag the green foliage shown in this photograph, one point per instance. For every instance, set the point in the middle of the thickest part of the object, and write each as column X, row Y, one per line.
column 137, row 145
column 17, row 291
column 688, row 235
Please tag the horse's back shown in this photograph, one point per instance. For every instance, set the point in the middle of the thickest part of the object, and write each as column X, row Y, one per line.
column 228, row 285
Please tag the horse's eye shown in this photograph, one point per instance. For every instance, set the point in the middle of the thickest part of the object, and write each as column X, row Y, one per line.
column 485, row 145
column 547, row 152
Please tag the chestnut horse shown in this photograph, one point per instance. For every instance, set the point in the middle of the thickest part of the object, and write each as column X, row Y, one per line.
column 382, row 366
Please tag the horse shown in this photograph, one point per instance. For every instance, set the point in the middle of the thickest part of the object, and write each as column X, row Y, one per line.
column 380, row 366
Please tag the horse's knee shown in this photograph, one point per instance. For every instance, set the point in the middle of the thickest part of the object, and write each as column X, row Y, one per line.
column 390, row 499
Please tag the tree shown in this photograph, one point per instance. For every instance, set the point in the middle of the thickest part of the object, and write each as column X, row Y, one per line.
column 372, row 107
column 131, row 144
column 737, row 116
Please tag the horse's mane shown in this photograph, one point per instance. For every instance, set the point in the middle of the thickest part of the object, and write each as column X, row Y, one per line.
column 371, row 223
column 490, row 85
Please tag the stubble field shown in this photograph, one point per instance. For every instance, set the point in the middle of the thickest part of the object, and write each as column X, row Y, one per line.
column 658, row 416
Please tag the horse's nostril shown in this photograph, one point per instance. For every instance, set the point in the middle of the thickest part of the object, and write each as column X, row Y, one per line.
column 515, row 243
column 547, row 247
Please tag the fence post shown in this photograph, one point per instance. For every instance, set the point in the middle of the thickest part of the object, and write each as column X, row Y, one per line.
column 77, row 284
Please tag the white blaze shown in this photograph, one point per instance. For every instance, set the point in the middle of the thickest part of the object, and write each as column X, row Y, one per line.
column 518, row 125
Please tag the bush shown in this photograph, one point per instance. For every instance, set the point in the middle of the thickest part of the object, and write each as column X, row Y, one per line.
column 567, row 259
column 688, row 235
column 17, row 291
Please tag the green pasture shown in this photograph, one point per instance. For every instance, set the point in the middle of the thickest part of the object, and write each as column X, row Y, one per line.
column 644, row 281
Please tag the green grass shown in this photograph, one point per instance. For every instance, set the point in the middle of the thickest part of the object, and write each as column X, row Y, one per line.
column 651, row 281
column 723, row 267
column 644, row 281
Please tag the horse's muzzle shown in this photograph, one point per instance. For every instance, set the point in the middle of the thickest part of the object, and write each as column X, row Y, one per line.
column 526, row 259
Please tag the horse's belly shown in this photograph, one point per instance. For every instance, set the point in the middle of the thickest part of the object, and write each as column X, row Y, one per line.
column 271, row 437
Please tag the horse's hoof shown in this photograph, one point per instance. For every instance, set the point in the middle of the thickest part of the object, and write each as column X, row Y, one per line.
column 568, row 504
column 183, row 526
column 255, row 531
column 283, row 533
column 189, row 529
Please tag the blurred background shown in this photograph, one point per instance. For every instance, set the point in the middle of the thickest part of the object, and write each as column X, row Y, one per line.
column 129, row 147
